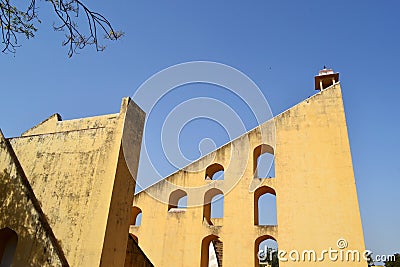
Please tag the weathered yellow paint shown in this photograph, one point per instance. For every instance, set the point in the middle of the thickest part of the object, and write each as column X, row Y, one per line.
column 84, row 181
column 67, row 190
column 20, row 211
column 316, row 195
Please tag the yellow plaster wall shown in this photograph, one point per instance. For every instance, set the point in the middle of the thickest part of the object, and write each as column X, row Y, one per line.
column 81, row 180
column 21, row 212
column 317, row 199
column 315, row 187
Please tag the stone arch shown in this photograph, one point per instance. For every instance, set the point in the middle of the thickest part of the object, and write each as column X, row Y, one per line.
column 257, row 248
column 175, row 197
column 136, row 216
column 257, row 194
column 214, row 172
column 259, row 152
column 208, row 203
column 8, row 245
column 213, row 244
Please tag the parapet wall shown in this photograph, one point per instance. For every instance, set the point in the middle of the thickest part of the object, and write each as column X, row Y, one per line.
column 314, row 185
column 21, row 213
column 79, row 174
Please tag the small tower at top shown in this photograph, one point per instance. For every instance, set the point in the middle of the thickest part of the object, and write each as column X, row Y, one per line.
column 325, row 78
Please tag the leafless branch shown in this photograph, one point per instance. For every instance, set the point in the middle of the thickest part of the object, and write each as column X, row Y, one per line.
column 15, row 22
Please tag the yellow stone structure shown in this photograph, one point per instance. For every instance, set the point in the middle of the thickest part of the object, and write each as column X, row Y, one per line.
column 314, row 186
column 67, row 194
column 66, row 188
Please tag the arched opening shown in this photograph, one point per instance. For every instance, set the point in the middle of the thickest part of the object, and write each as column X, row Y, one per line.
column 213, row 205
column 8, row 245
column 217, row 206
column 182, row 202
column 177, row 199
column 211, row 251
column 215, row 172
column 263, row 162
column 136, row 216
column 265, row 251
column 265, row 206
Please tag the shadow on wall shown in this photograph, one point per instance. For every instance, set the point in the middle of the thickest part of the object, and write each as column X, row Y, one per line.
column 19, row 218
column 8, row 245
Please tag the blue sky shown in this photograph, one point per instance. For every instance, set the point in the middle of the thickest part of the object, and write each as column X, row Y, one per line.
column 280, row 45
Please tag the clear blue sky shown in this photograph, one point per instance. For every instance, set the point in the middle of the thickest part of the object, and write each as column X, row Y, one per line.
column 280, row 45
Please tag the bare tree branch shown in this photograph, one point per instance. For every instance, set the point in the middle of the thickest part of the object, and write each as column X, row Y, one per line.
column 15, row 22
